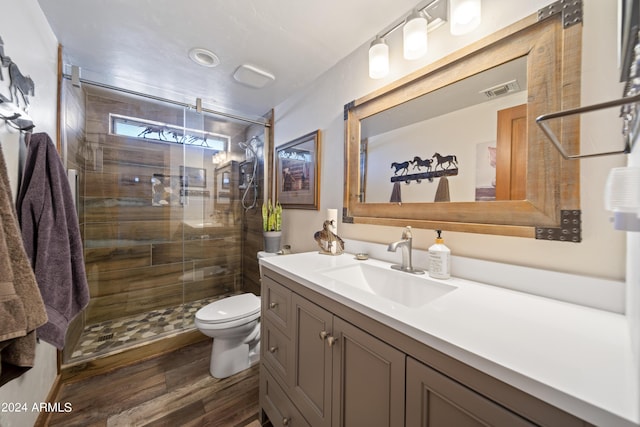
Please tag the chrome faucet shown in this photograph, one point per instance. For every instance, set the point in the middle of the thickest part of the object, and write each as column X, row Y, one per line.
column 405, row 244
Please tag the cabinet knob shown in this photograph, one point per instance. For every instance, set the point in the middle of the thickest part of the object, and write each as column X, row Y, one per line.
column 331, row 341
column 285, row 421
column 273, row 305
column 323, row 335
column 273, row 349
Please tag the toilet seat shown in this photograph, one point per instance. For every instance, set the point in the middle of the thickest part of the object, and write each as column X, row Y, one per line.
column 244, row 306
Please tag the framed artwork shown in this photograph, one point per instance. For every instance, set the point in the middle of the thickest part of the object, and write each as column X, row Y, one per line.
column 223, row 182
column 297, row 172
column 486, row 171
column 226, row 179
column 193, row 177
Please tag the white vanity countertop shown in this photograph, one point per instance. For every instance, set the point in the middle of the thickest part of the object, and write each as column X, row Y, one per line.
column 576, row 358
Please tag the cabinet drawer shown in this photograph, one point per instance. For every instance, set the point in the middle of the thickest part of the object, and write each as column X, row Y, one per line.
column 276, row 351
column 276, row 301
column 276, row 405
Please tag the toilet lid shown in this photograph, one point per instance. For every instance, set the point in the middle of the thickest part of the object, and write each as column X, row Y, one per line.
column 228, row 309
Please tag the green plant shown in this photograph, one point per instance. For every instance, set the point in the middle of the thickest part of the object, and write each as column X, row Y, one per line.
column 272, row 216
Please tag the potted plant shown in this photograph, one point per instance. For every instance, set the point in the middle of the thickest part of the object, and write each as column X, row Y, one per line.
column 272, row 226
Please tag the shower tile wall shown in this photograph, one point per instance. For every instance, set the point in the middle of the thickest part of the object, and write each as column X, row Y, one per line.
column 252, row 240
column 141, row 257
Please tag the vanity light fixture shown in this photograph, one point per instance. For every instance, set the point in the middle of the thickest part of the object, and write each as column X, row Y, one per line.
column 415, row 27
column 378, row 58
column 414, row 35
column 464, row 16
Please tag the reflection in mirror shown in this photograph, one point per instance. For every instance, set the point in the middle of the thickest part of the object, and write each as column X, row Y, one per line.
column 460, row 120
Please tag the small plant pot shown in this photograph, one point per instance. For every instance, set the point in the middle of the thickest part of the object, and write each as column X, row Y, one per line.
column 272, row 241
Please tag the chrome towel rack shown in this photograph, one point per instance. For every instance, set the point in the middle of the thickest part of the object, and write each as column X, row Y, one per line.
column 630, row 129
column 629, row 112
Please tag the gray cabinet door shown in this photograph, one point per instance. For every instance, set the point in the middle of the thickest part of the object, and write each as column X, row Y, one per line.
column 434, row 400
column 368, row 381
column 311, row 389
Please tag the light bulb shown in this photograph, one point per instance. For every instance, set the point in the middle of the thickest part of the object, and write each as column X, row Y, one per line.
column 378, row 59
column 465, row 15
column 414, row 34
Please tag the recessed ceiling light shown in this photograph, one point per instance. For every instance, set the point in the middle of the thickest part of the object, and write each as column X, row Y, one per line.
column 253, row 76
column 203, row 57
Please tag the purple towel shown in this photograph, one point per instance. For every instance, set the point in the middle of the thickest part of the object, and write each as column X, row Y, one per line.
column 51, row 236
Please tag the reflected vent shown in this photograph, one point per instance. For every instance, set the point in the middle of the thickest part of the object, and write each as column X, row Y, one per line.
column 501, row 89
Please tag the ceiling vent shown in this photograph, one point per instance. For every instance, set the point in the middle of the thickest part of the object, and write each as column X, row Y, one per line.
column 501, row 89
column 253, row 76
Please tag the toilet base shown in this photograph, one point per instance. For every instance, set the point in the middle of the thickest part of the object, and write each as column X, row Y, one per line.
column 230, row 356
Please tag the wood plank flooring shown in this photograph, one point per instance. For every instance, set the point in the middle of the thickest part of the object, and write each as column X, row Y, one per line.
column 174, row 389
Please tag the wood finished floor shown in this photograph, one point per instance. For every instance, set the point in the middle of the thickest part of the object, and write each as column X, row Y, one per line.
column 170, row 390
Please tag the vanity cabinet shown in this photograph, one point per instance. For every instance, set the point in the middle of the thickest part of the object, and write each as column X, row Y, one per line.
column 325, row 364
column 435, row 400
column 332, row 373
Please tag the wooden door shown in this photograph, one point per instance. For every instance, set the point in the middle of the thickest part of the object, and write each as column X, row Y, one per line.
column 511, row 154
column 311, row 391
column 434, row 400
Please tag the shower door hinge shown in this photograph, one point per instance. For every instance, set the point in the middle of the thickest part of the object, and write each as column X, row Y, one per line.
column 571, row 11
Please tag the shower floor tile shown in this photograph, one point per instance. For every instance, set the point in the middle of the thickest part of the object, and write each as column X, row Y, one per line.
column 113, row 336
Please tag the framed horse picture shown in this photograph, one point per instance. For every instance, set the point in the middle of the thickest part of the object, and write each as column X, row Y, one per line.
column 297, row 172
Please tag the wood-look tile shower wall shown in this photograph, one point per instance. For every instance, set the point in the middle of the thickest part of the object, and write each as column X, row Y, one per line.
column 141, row 257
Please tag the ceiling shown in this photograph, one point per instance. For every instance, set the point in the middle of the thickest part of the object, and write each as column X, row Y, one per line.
column 143, row 45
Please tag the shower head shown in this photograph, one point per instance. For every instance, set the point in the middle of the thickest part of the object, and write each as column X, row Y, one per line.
column 249, row 148
column 247, row 144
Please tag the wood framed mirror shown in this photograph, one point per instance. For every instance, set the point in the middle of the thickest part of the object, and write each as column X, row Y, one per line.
column 537, row 191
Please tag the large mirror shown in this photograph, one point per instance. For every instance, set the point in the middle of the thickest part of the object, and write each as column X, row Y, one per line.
column 454, row 146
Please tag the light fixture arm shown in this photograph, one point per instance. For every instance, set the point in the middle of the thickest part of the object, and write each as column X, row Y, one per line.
column 436, row 18
column 435, row 14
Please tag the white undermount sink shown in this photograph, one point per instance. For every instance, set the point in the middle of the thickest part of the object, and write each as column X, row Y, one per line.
column 395, row 286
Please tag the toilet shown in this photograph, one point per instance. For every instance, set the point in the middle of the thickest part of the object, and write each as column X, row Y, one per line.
column 234, row 325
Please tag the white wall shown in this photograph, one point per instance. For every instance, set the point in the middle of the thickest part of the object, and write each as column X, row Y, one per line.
column 602, row 251
column 30, row 43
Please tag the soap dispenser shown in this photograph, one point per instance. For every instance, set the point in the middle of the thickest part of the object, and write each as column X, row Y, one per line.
column 439, row 259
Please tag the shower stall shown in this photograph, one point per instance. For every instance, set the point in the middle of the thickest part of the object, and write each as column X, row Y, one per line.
column 168, row 200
